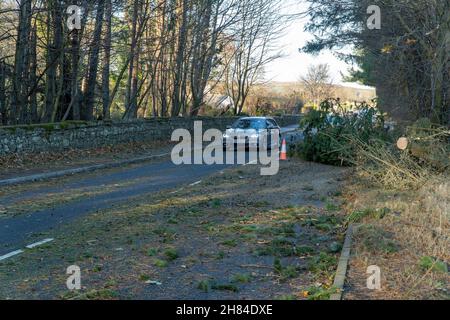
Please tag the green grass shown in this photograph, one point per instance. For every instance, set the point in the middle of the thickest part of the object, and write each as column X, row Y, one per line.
column 320, row 293
column 359, row 215
column 249, row 228
column 324, row 227
column 241, row 278
column 323, row 222
column 304, row 250
column 96, row 269
column 110, row 283
column 211, row 228
column 162, row 231
column 160, row 263
column 323, row 263
column 144, row 277
column 229, row 243
column 426, row 263
column 286, row 272
column 283, row 247
column 289, row 272
column 216, row 203
column 99, row 294
column 152, row 252
column 173, row 220
column 280, row 247
column 171, row 254
column 47, row 126
column 277, row 265
column 332, row 207
column 225, row 287
column 285, row 229
column 204, row 285
column 334, row 247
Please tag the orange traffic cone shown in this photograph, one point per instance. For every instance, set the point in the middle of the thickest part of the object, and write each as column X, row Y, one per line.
column 283, row 154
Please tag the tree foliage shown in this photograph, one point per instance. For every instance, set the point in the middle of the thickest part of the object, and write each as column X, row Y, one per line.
column 328, row 132
column 407, row 59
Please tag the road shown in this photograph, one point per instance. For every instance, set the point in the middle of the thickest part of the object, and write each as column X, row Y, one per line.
column 136, row 180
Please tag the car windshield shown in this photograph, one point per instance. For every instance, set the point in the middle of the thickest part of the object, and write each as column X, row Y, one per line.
column 249, row 124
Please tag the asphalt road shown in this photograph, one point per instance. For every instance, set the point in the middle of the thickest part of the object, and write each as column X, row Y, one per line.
column 19, row 231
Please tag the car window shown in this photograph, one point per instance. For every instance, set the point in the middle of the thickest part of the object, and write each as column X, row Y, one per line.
column 272, row 123
column 249, row 124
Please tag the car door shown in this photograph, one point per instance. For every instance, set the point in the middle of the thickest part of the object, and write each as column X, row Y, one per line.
column 271, row 124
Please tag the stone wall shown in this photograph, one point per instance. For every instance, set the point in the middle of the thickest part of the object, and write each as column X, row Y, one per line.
column 72, row 135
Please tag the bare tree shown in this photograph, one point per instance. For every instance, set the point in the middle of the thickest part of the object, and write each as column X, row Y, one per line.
column 317, row 83
column 254, row 45
column 160, row 57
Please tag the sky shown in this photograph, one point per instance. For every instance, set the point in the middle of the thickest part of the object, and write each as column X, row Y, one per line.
column 295, row 64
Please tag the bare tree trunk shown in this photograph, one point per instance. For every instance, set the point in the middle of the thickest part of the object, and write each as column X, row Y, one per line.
column 180, row 61
column 74, row 109
column 54, row 50
column 129, row 98
column 19, row 95
column 33, row 79
column 162, row 63
column 89, row 94
column 134, row 83
column 3, row 115
column 74, row 105
column 107, row 60
column 200, row 51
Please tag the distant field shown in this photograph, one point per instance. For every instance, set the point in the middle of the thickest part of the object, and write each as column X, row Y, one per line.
column 351, row 92
column 285, row 97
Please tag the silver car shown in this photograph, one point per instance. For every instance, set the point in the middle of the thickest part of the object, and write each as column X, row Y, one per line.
column 253, row 133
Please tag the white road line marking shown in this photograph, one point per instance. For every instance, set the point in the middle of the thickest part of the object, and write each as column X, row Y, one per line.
column 11, row 254
column 196, row 183
column 33, row 245
column 30, row 246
